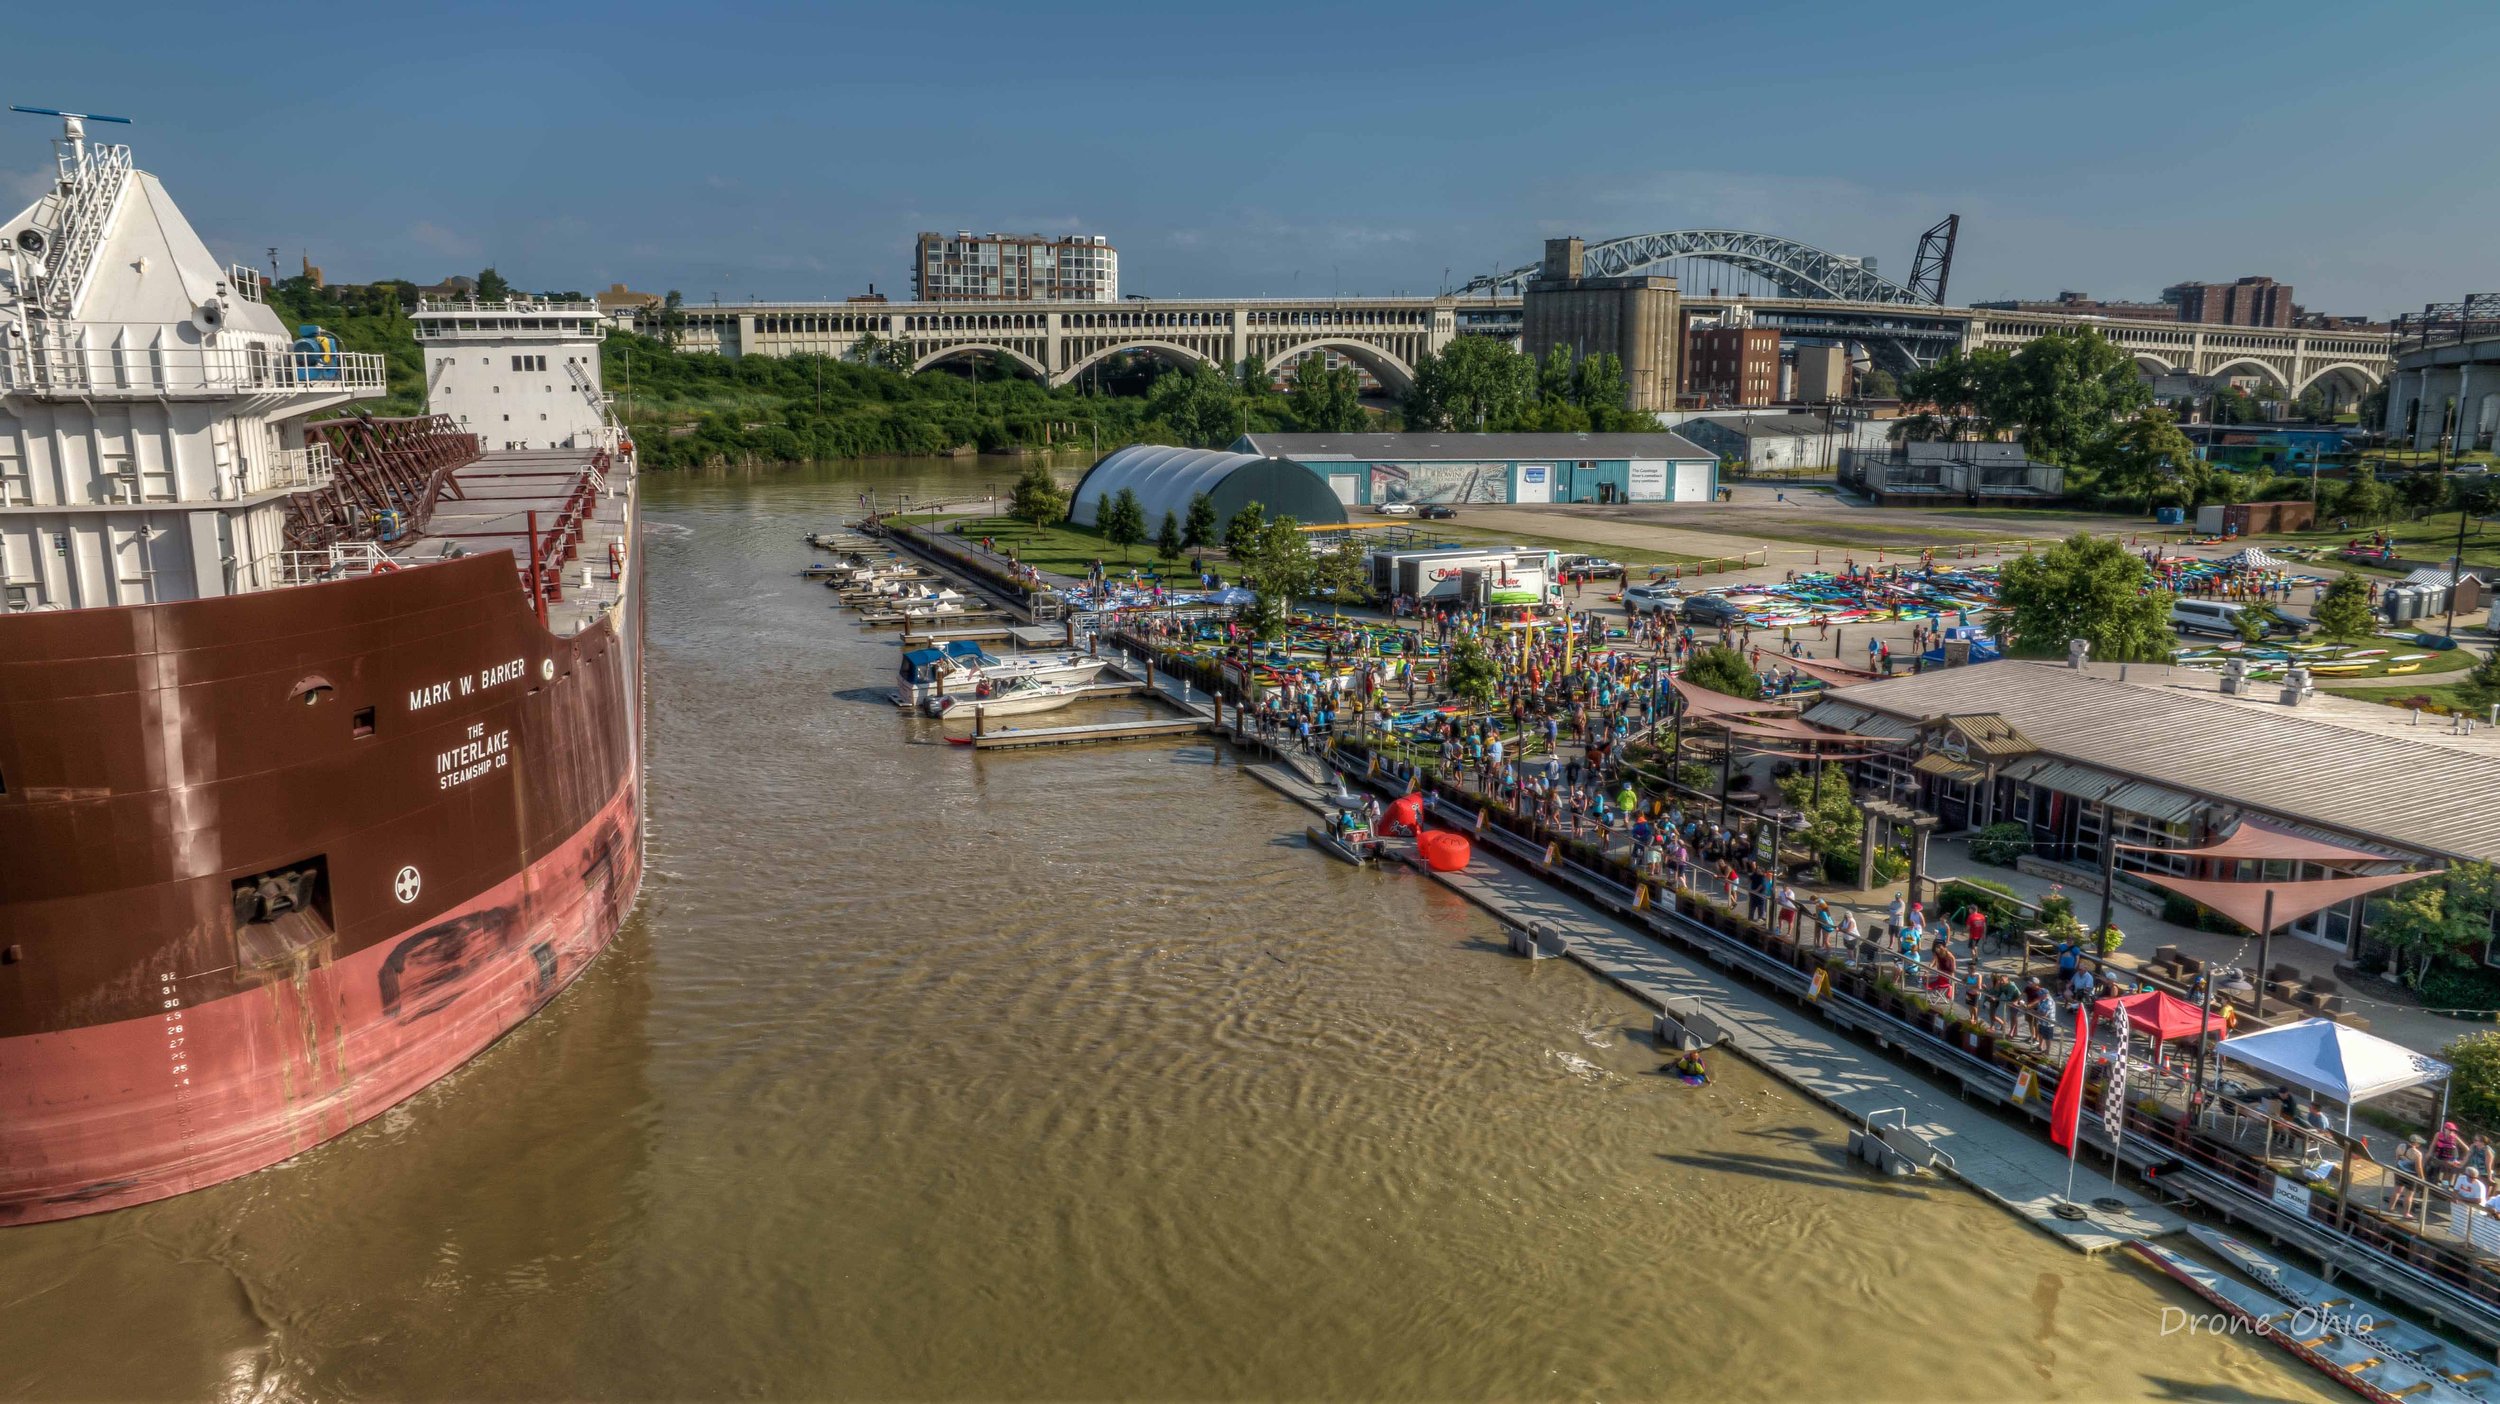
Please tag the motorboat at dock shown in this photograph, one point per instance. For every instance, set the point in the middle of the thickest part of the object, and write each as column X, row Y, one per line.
column 1019, row 698
column 962, row 666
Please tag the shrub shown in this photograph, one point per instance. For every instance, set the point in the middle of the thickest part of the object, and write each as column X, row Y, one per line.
column 1998, row 845
column 2475, row 1085
column 1889, row 866
column 1996, row 899
column 2460, row 987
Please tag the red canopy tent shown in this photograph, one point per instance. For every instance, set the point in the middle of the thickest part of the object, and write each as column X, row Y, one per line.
column 2163, row 1015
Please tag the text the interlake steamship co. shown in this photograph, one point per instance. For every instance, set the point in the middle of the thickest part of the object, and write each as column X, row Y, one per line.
column 464, row 763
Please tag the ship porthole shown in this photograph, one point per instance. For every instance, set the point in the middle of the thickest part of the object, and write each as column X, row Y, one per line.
column 547, row 669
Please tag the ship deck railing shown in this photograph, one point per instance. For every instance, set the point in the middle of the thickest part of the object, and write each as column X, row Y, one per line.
column 55, row 361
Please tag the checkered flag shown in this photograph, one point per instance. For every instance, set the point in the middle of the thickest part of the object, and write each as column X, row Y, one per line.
column 2114, row 1097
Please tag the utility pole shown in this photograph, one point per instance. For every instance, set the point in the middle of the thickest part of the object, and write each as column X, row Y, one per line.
column 2456, row 568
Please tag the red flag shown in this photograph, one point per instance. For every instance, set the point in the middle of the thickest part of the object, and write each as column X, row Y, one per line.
column 2067, row 1111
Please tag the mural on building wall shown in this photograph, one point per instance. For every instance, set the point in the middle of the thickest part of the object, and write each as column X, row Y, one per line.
column 1440, row 482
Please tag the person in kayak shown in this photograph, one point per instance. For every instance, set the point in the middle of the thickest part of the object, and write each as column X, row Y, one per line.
column 1689, row 1067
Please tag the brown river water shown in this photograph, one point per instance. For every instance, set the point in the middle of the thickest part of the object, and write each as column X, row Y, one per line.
column 1057, row 1075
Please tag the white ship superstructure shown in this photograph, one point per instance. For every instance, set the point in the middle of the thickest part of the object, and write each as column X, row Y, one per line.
column 521, row 373
column 151, row 403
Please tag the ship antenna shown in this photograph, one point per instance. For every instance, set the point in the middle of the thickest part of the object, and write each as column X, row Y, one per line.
column 73, row 127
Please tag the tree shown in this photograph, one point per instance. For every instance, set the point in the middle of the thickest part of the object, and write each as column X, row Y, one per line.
column 2146, row 460
column 2232, row 405
column 1476, row 381
column 1275, row 560
column 1555, row 376
column 2431, row 923
column 1723, row 670
column 1241, row 534
column 1324, row 401
column 1198, row 532
column 491, row 286
column 1961, row 395
column 2343, row 612
column 1877, row 384
column 672, row 316
column 1597, row 384
column 1168, row 541
column 1122, row 520
column 2481, row 684
column 2085, row 587
column 1037, row 497
column 2363, row 500
column 1834, row 826
column 2066, row 390
column 1471, row 672
column 1201, row 406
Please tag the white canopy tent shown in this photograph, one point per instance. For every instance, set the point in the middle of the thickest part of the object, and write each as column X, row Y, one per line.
column 2343, row 1064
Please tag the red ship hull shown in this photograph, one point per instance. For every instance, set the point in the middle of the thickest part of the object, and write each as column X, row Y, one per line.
column 446, row 796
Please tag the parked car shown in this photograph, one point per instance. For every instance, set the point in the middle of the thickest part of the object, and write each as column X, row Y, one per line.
column 1712, row 610
column 1396, row 509
column 1651, row 599
column 1593, row 567
column 1438, row 512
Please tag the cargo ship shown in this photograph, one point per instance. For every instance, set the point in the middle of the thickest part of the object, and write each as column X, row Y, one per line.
column 320, row 733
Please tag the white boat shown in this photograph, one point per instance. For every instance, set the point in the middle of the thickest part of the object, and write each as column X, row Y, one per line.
column 1015, row 701
column 961, row 668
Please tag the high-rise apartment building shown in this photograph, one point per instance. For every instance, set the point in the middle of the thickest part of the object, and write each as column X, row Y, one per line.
column 970, row 267
column 2249, row 302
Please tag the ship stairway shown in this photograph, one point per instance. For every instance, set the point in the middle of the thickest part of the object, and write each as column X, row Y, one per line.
column 91, row 185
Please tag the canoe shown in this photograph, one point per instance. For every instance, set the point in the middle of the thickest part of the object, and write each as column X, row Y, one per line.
column 2405, row 668
column 2456, row 1368
column 2338, row 669
column 2299, row 1330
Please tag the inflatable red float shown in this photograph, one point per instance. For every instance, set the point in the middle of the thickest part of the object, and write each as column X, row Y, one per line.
column 1444, row 852
column 1406, row 815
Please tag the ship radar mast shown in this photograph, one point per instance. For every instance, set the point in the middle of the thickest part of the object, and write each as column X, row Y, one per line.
column 89, row 183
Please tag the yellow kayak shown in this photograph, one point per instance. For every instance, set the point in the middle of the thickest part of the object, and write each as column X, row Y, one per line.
column 2405, row 668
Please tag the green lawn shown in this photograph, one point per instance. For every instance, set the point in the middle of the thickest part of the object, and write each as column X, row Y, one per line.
column 1062, row 547
column 1474, row 536
column 2430, row 539
column 2449, row 695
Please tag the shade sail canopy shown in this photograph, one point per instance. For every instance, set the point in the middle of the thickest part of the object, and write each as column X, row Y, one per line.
column 2245, row 902
column 2334, row 1061
column 1702, row 702
column 2163, row 1015
column 2260, row 841
column 1835, row 674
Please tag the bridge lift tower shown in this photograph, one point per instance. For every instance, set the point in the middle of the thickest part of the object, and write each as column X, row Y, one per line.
column 1934, row 263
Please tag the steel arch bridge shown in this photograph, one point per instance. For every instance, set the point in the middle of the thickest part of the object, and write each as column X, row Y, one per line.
column 1798, row 270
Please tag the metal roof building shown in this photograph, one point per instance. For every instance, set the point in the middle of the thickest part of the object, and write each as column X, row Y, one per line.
column 2172, row 755
column 1377, row 469
column 1165, row 478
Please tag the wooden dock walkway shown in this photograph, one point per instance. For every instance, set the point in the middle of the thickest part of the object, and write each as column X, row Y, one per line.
column 2002, row 1161
column 1087, row 735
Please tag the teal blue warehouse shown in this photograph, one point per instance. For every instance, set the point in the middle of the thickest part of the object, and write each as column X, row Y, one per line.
column 1372, row 470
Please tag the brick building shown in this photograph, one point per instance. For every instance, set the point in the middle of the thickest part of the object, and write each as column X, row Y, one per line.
column 2249, row 302
column 1732, row 365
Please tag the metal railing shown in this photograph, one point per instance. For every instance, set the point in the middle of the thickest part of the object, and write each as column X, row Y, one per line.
column 347, row 558
column 291, row 470
column 56, row 362
column 91, row 180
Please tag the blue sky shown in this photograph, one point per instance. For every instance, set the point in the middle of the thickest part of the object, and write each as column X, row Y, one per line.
column 793, row 150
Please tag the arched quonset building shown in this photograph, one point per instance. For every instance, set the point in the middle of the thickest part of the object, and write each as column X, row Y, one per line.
column 1166, row 478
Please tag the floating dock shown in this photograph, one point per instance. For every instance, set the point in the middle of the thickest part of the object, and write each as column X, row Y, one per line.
column 1095, row 733
column 2002, row 1161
